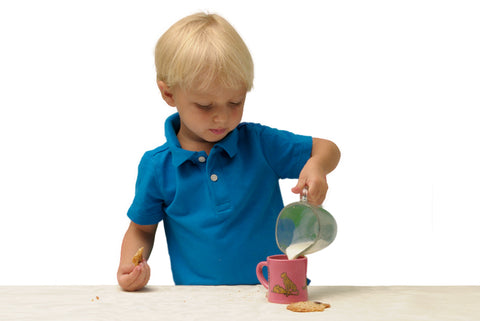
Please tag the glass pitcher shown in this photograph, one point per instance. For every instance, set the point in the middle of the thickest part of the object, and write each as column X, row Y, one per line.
column 303, row 228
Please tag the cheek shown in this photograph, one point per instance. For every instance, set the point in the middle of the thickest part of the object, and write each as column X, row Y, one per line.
column 237, row 114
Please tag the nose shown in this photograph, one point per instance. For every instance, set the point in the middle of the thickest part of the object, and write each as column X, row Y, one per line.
column 221, row 115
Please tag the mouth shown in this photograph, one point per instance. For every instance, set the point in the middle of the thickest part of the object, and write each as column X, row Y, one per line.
column 218, row 131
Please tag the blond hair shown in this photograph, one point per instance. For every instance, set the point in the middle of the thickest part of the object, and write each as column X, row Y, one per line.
column 200, row 50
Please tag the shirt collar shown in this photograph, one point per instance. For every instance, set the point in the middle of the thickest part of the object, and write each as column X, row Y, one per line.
column 229, row 144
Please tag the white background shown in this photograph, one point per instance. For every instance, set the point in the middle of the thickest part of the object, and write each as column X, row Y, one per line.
column 394, row 83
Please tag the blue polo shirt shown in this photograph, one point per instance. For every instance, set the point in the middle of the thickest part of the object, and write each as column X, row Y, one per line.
column 219, row 211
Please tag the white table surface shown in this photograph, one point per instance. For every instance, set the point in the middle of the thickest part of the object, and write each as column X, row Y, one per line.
column 246, row 303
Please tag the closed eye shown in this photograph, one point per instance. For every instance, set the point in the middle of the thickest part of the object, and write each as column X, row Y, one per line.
column 203, row 106
column 234, row 104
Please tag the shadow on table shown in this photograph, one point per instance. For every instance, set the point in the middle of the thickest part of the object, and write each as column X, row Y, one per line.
column 147, row 289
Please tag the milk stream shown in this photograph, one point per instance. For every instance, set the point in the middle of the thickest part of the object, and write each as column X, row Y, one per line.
column 294, row 250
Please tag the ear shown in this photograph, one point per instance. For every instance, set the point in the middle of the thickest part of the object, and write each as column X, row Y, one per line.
column 167, row 93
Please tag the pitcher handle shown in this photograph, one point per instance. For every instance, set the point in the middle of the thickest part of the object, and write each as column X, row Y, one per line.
column 304, row 195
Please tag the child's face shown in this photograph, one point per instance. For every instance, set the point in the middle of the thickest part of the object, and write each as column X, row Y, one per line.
column 207, row 116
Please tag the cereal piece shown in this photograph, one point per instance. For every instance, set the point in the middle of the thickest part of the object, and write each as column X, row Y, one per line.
column 137, row 258
column 308, row 306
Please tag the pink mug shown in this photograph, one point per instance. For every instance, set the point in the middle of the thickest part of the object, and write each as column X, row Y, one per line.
column 287, row 279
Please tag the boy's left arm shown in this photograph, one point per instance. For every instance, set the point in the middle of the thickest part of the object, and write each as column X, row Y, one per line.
column 325, row 157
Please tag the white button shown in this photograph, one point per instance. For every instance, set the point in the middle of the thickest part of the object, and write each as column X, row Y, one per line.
column 202, row 159
column 214, row 177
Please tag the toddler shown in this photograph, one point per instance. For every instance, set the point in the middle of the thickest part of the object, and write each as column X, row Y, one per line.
column 215, row 182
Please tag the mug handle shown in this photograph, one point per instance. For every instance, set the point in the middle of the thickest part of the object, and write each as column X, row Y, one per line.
column 260, row 276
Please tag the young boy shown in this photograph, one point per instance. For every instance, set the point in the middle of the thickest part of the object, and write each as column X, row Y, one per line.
column 214, row 183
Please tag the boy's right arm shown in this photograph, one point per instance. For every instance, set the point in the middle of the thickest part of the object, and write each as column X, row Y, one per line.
column 129, row 276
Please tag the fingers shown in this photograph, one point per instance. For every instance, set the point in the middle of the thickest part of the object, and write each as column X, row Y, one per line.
column 136, row 279
column 317, row 192
column 316, row 197
column 317, row 189
column 301, row 183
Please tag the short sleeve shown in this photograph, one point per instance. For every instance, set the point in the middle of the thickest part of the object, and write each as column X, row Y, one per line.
column 286, row 152
column 147, row 206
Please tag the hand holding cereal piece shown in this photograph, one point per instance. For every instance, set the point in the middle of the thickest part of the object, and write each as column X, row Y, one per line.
column 138, row 257
column 308, row 306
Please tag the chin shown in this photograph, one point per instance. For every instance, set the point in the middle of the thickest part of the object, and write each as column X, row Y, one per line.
column 216, row 138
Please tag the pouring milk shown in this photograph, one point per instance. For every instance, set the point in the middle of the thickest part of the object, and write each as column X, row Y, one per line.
column 303, row 228
column 295, row 249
